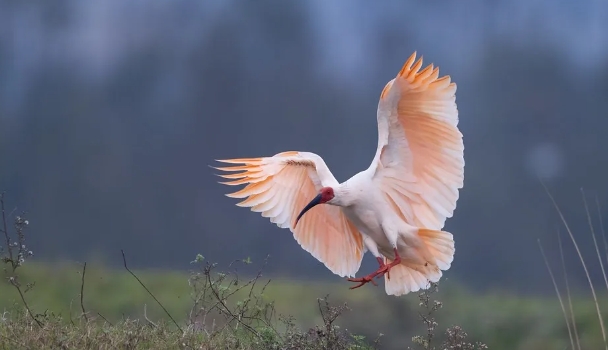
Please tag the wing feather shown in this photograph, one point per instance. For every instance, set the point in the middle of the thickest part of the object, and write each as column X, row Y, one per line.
column 419, row 162
column 279, row 187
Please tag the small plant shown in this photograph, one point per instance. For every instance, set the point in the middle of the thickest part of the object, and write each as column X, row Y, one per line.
column 329, row 335
column 227, row 312
column 456, row 337
column 14, row 253
column 224, row 306
column 225, row 301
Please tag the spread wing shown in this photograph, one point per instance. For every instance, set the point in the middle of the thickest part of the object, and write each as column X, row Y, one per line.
column 419, row 164
column 280, row 186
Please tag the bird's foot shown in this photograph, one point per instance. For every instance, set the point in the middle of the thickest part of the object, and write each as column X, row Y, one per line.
column 370, row 278
column 383, row 269
column 363, row 280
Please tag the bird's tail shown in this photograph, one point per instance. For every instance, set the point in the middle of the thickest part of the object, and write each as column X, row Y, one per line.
column 410, row 277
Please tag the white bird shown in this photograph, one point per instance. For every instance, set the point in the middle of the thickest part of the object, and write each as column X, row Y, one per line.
column 395, row 208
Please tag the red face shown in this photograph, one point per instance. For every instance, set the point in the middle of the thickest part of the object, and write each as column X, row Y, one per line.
column 327, row 193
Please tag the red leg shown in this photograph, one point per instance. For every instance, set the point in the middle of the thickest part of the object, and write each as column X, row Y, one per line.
column 384, row 268
column 369, row 278
column 387, row 267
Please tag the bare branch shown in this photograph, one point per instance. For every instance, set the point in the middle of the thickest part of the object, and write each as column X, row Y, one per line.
column 15, row 263
column 105, row 319
column 124, row 260
column 225, row 307
column 146, row 317
column 84, row 312
column 5, row 230
column 14, row 282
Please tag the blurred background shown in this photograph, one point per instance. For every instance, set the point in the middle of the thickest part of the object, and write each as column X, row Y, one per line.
column 111, row 113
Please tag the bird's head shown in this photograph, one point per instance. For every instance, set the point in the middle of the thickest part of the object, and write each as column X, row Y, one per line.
column 325, row 195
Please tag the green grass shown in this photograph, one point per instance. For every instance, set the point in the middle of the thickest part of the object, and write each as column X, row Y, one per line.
column 58, row 305
column 21, row 332
column 502, row 321
column 204, row 309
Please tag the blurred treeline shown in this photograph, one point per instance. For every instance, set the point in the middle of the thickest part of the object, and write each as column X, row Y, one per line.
column 112, row 111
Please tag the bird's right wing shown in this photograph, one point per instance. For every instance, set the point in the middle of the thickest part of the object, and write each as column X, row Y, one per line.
column 280, row 186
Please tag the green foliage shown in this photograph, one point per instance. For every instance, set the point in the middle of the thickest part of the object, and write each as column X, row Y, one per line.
column 501, row 320
column 456, row 337
column 76, row 306
column 19, row 331
column 226, row 312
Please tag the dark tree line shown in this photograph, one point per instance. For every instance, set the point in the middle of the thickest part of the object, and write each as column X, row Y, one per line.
column 122, row 161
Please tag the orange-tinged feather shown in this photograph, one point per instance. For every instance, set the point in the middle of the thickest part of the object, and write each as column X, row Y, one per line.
column 250, row 189
column 241, row 160
column 386, row 89
column 240, row 181
column 248, row 201
column 234, row 176
column 412, row 275
column 425, row 113
column 425, row 73
column 433, row 75
column 236, row 168
column 411, row 74
column 278, row 188
column 442, row 82
column 407, row 64
column 288, row 154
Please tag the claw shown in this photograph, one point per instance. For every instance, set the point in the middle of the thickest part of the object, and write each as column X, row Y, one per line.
column 383, row 269
column 369, row 278
column 363, row 280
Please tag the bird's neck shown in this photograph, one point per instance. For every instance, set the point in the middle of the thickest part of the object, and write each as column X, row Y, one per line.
column 344, row 197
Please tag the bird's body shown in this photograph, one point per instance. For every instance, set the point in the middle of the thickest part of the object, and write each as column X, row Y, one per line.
column 373, row 217
column 395, row 208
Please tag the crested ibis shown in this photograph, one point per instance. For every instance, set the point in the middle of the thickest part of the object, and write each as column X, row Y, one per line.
column 396, row 208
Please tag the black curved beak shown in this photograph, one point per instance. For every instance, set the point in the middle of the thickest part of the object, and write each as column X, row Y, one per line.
column 309, row 206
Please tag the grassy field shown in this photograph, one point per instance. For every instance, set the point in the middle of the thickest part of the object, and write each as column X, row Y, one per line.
column 69, row 305
column 501, row 321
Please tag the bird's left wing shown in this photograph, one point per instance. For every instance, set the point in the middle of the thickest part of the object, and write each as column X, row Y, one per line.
column 280, row 186
column 419, row 164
